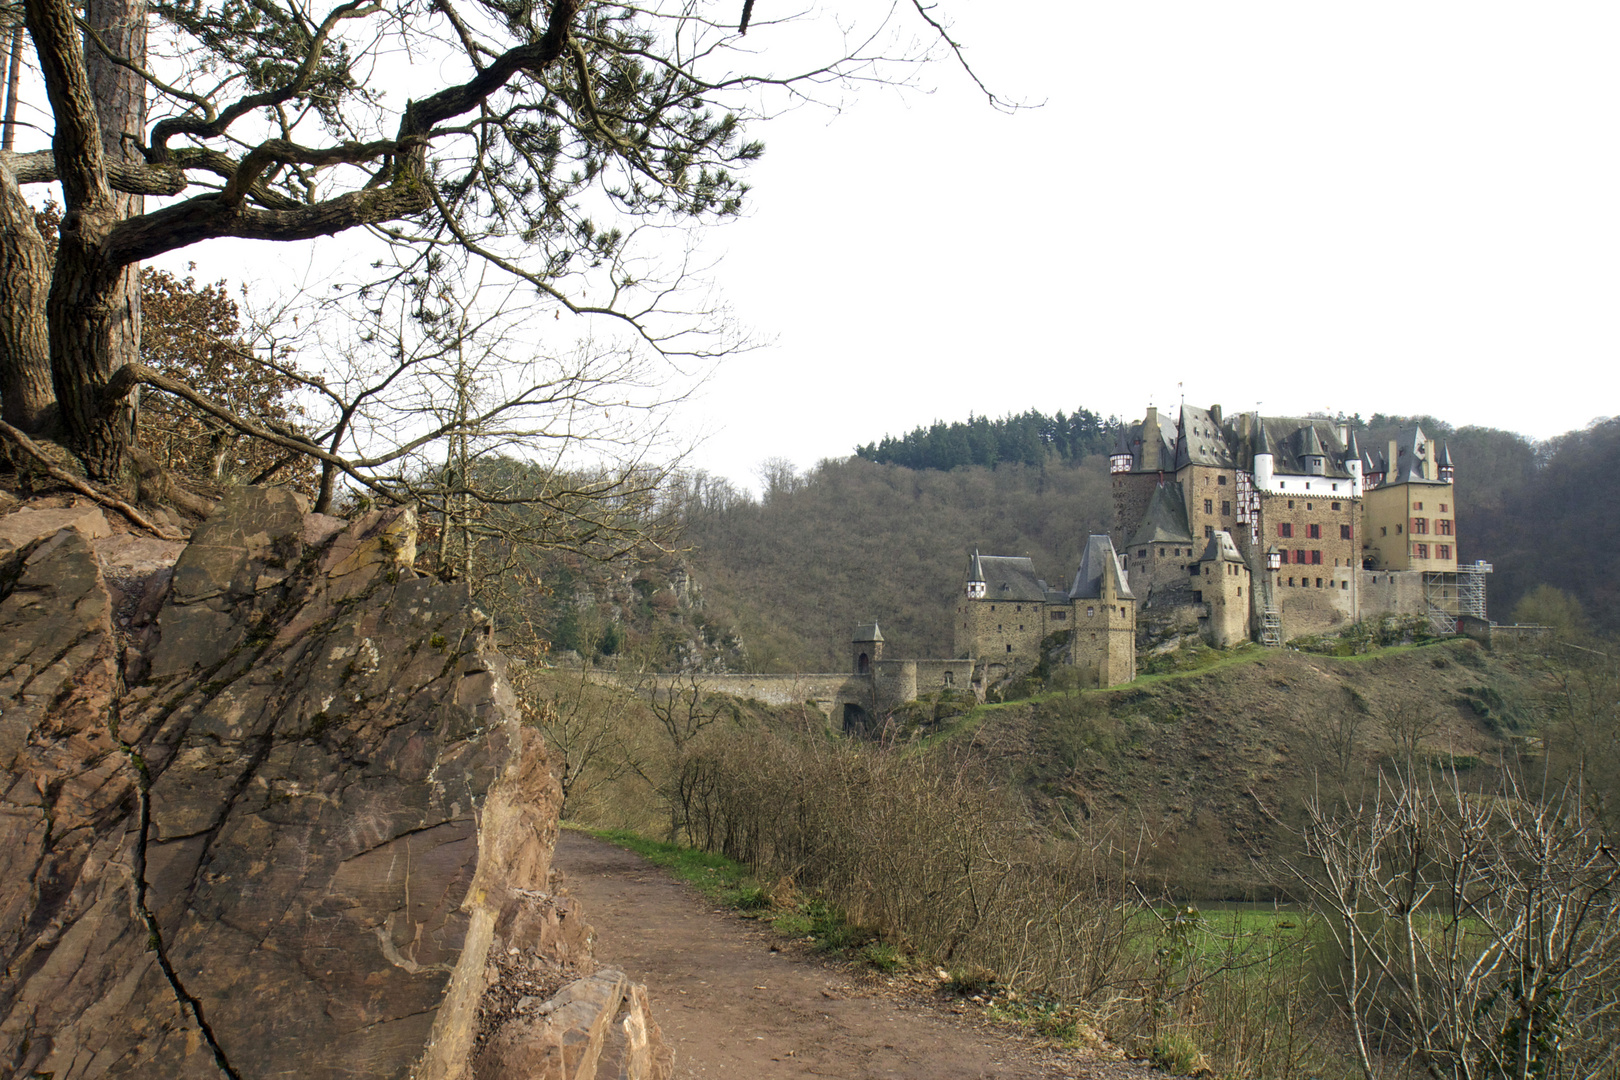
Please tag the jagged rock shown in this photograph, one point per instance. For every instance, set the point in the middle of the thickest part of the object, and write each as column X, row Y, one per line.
column 32, row 524
column 313, row 840
column 597, row 1027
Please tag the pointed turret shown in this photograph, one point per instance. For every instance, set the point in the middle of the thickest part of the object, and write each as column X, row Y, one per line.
column 1121, row 459
column 1265, row 458
column 1448, row 471
column 866, row 647
column 1353, row 461
column 975, row 577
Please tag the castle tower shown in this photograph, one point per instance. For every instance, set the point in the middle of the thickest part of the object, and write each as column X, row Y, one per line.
column 1448, row 471
column 866, row 648
column 1103, row 644
column 1227, row 589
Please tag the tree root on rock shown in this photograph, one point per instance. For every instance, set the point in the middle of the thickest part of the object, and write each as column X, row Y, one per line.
column 83, row 487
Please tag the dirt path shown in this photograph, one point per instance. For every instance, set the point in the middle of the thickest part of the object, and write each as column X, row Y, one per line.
column 733, row 1006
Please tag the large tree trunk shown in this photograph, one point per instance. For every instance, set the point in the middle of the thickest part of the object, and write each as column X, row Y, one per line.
column 93, row 311
column 27, row 400
column 120, row 97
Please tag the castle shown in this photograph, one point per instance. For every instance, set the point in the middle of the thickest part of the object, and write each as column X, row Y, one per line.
column 1253, row 528
column 1239, row 529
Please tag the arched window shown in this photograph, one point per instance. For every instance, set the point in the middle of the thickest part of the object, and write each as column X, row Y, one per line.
column 863, row 664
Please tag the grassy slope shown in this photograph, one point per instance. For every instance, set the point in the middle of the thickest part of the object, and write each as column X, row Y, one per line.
column 1191, row 772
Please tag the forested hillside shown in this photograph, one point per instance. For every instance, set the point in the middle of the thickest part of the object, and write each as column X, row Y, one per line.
column 858, row 540
column 854, row 541
column 1030, row 438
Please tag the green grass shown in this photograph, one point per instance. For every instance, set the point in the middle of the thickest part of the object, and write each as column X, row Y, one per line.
column 715, row 876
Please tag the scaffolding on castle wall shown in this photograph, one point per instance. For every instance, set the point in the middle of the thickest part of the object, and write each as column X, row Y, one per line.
column 1440, row 601
column 1448, row 596
column 1270, row 619
column 1471, row 589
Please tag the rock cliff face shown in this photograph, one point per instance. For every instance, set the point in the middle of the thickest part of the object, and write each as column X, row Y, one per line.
column 268, row 812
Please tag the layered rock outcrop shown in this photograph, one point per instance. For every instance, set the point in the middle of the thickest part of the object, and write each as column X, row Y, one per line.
column 269, row 812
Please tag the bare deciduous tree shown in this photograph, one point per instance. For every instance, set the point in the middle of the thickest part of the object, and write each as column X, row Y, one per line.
column 564, row 132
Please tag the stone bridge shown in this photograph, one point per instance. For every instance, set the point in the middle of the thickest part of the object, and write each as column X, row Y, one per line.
column 849, row 701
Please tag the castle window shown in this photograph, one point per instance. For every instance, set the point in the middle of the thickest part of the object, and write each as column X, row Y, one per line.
column 1442, row 526
column 1240, row 591
column 1283, row 553
column 1226, row 508
column 1019, row 608
column 1090, row 612
column 1383, row 530
column 1397, row 530
column 1316, row 532
column 1345, row 532
column 1209, row 506
column 1209, row 531
column 1060, row 615
column 1009, row 648
column 1307, row 506
column 1142, row 554
column 950, row 678
column 1318, row 583
column 1335, row 487
column 1420, row 525
column 1335, row 506
column 1443, row 508
column 1221, row 480
column 1285, row 528
column 1283, row 484
column 1290, row 504
column 1417, row 506
column 1344, row 584
column 1316, row 558
column 1192, row 568
column 1442, row 551
column 1122, row 609
column 1290, row 582
column 1198, row 597
column 1420, row 550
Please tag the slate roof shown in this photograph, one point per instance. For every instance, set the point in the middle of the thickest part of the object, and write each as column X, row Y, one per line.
column 1165, row 521
column 1292, row 439
column 868, row 632
column 1221, row 549
column 1411, row 451
column 1096, row 562
column 1200, row 440
column 1137, row 436
column 1008, row 577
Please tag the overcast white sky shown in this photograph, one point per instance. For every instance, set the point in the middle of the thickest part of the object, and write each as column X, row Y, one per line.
column 1394, row 207
column 1379, row 206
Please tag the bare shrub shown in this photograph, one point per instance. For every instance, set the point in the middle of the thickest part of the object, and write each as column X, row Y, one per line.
column 927, row 851
column 1479, row 934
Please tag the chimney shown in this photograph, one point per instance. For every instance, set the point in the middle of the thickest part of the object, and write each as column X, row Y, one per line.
column 1150, row 442
column 1215, row 414
column 1431, row 466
